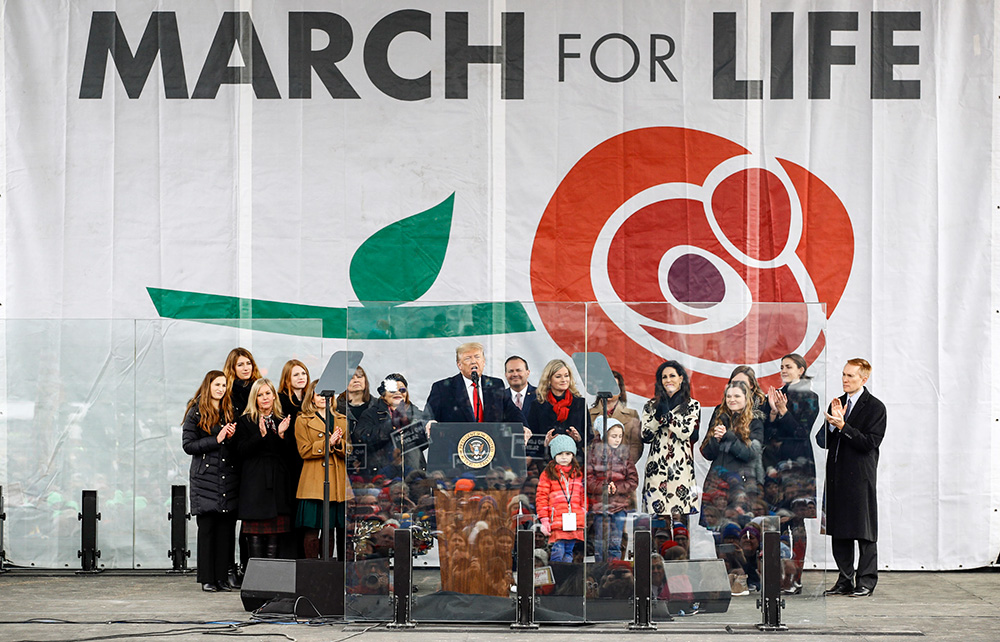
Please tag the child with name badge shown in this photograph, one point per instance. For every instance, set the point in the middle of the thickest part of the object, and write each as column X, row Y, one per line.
column 561, row 500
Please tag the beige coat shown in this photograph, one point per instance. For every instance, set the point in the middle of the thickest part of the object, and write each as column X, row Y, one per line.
column 310, row 430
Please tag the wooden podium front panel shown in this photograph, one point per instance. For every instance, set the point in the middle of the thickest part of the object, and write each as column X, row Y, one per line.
column 477, row 541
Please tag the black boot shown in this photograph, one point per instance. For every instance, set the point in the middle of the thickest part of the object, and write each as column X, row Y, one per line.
column 271, row 547
column 257, row 545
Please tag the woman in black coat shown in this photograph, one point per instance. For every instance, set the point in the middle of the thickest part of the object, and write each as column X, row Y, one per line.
column 558, row 408
column 391, row 411
column 266, row 446
column 733, row 445
column 353, row 403
column 788, row 449
column 207, row 437
column 241, row 371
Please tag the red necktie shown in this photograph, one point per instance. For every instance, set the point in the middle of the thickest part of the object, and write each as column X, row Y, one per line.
column 477, row 406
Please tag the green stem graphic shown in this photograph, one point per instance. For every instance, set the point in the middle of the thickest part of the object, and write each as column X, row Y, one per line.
column 385, row 320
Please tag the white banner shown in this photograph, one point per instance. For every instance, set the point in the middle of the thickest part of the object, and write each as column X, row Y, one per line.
column 229, row 161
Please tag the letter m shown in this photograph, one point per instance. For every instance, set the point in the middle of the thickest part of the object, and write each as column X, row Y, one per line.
column 160, row 37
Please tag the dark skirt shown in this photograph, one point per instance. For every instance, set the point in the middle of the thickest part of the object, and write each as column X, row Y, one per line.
column 273, row 526
column 310, row 514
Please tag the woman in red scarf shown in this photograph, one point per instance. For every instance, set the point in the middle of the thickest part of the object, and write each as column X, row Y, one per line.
column 558, row 408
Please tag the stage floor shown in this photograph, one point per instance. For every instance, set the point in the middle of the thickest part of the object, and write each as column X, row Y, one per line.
column 959, row 606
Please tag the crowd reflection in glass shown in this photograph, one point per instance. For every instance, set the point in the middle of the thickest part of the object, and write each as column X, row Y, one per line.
column 579, row 490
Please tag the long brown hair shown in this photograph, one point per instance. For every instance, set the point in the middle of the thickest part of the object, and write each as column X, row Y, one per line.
column 366, row 394
column 739, row 423
column 575, row 470
column 209, row 415
column 285, row 383
column 757, row 395
column 230, row 367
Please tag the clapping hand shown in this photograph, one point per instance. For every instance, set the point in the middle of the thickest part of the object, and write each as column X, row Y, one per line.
column 778, row 402
column 227, row 431
column 611, row 488
column 836, row 415
column 337, row 434
column 283, row 426
column 719, row 431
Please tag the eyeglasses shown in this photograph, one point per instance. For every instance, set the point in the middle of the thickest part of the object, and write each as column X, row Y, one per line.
column 399, row 389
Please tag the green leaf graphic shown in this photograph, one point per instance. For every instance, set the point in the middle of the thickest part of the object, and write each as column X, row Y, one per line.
column 401, row 261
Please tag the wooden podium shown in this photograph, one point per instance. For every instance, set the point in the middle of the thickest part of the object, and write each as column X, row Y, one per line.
column 476, row 541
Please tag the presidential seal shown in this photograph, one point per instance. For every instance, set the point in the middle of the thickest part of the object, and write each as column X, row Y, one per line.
column 476, row 449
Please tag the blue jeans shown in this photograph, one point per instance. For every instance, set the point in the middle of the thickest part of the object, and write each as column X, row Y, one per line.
column 562, row 550
column 616, row 527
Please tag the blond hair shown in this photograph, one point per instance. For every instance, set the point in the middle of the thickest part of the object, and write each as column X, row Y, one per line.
column 252, row 401
column 466, row 348
column 552, row 367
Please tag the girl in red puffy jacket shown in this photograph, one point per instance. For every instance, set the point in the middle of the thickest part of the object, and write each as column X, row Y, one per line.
column 561, row 500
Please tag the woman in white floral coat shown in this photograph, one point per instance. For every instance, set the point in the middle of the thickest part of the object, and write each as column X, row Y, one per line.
column 669, row 423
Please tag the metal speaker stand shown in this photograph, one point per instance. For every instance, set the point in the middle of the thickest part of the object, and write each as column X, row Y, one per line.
column 178, row 518
column 643, row 575
column 770, row 601
column 89, row 553
column 3, row 521
column 402, row 580
column 524, row 601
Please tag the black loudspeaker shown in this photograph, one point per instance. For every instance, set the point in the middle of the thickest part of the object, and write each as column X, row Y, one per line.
column 319, row 583
column 704, row 583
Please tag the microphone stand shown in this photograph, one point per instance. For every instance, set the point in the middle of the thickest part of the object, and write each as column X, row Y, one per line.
column 328, row 395
column 475, row 390
column 606, row 527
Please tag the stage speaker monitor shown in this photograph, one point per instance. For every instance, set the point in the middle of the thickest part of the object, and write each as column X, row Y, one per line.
column 704, row 583
column 320, row 584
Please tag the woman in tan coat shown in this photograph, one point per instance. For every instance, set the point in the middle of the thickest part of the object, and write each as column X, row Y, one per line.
column 629, row 419
column 310, row 431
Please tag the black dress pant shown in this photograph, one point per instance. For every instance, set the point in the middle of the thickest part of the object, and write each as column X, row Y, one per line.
column 866, row 574
column 216, row 546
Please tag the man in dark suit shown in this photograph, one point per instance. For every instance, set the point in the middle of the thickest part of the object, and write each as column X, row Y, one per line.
column 471, row 396
column 523, row 393
column 854, row 428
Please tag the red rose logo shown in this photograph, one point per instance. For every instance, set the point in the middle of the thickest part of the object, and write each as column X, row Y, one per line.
column 688, row 243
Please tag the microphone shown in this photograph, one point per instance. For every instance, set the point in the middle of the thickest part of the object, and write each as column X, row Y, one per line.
column 474, row 376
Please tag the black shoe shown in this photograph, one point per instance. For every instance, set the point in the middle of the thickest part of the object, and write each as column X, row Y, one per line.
column 839, row 589
column 862, row 591
column 235, row 579
column 224, row 586
column 209, row 588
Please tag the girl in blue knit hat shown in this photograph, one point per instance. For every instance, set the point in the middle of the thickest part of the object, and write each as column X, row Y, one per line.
column 561, row 500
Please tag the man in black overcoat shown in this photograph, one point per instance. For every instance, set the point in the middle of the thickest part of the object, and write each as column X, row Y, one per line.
column 854, row 428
